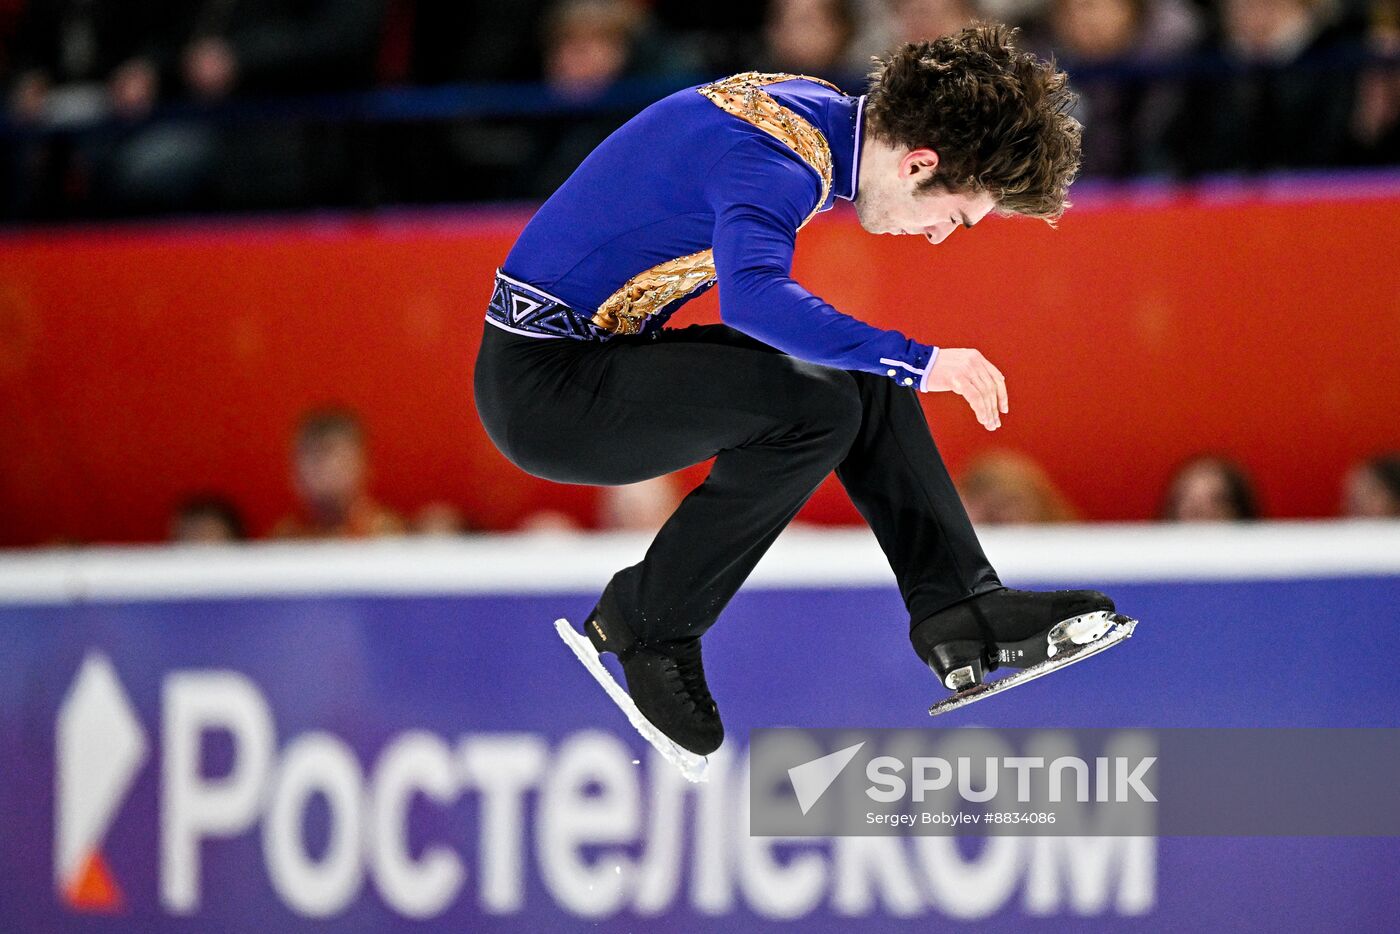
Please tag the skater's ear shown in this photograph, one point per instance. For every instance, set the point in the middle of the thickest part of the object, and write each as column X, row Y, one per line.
column 919, row 165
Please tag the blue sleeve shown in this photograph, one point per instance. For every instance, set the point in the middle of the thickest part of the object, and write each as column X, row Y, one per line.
column 761, row 192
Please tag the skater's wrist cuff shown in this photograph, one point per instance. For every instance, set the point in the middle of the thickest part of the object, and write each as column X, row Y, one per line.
column 914, row 375
column 928, row 368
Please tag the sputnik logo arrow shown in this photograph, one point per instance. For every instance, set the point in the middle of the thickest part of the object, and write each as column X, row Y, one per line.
column 810, row 780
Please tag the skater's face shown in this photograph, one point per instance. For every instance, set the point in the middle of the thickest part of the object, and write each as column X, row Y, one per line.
column 891, row 201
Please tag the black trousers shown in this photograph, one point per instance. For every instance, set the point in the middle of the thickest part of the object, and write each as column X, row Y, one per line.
column 633, row 408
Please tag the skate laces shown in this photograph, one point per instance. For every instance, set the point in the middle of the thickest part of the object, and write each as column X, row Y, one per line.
column 690, row 672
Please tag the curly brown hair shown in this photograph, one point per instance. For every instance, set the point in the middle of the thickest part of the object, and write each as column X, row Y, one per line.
column 999, row 118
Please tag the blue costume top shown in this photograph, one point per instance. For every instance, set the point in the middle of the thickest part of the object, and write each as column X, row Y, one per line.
column 709, row 184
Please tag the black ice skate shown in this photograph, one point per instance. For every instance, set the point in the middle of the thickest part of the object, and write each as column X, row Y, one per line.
column 1036, row 633
column 666, row 699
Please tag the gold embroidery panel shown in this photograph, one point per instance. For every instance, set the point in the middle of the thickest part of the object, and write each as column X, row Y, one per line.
column 743, row 97
column 646, row 293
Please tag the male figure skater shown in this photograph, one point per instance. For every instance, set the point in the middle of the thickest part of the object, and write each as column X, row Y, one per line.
column 579, row 380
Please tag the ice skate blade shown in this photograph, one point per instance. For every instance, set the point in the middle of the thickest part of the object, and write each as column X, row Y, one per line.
column 693, row 767
column 1122, row 627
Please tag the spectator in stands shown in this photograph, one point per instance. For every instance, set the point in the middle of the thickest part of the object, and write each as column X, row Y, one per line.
column 1372, row 489
column 73, row 60
column 1125, row 119
column 1375, row 123
column 1259, row 118
column 207, row 519
column 549, row 522
column 1005, row 488
column 590, row 45
column 632, row 507
column 917, row 20
column 264, row 47
column 639, row 507
column 251, row 48
column 330, row 472
column 440, row 520
column 1209, row 489
column 810, row 37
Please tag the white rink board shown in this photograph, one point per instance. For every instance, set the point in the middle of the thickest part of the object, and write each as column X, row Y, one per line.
column 803, row 557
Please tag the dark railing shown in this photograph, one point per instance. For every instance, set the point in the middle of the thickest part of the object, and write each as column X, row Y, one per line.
column 363, row 140
column 387, row 105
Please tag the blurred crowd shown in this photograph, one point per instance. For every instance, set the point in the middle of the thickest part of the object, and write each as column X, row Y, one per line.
column 330, row 480
column 138, row 107
column 1006, row 488
column 118, row 107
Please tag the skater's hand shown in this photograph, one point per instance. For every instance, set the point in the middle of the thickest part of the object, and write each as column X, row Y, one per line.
column 972, row 376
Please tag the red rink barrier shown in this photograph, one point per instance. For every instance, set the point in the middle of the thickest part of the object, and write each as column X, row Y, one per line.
column 138, row 364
